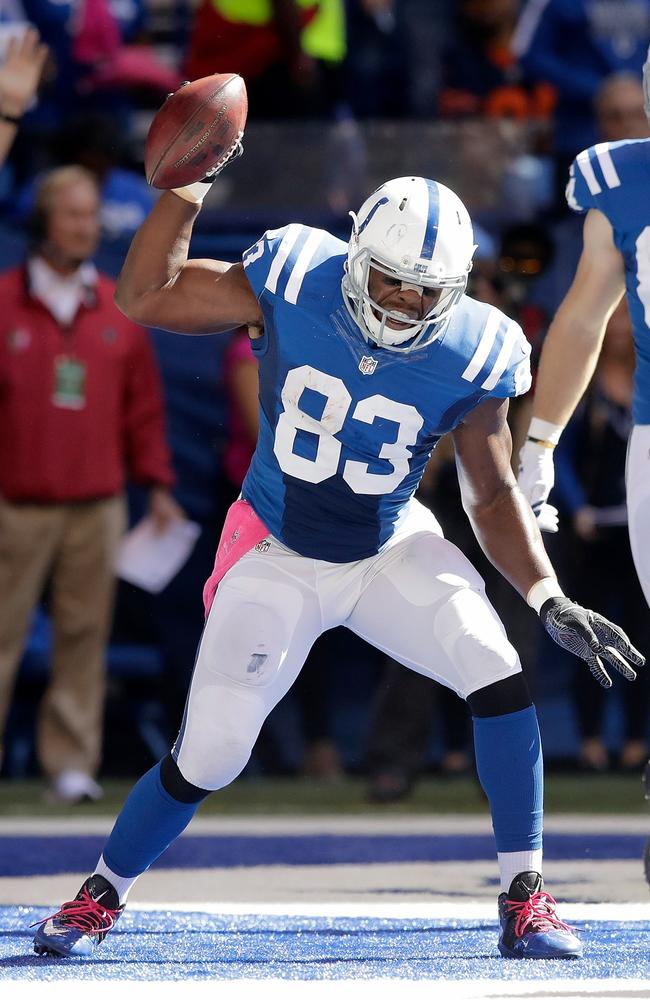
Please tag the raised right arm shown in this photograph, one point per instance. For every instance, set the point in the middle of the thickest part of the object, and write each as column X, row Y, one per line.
column 158, row 286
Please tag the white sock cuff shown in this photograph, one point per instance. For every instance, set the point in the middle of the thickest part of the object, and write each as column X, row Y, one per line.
column 512, row 863
column 121, row 885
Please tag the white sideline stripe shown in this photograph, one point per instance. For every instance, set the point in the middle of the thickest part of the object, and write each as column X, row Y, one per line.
column 484, row 346
column 294, row 283
column 357, row 825
column 479, row 910
column 584, row 163
column 322, row 989
column 503, row 357
column 280, row 259
column 610, row 172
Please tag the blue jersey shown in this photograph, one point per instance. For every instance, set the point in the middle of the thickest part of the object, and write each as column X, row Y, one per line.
column 614, row 177
column 346, row 428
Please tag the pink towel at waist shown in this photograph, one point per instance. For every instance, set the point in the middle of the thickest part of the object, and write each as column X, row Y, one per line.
column 241, row 530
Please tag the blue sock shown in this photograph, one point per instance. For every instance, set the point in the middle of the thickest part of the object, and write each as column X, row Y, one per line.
column 149, row 821
column 510, row 769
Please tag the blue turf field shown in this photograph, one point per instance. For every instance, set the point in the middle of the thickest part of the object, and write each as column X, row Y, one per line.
column 214, row 943
column 156, row 945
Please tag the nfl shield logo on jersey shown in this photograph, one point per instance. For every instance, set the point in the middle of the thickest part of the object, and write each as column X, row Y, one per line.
column 367, row 366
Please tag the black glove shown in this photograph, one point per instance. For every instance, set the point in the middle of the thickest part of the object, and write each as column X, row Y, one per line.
column 591, row 637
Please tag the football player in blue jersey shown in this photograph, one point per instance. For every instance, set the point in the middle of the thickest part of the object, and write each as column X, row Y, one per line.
column 368, row 352
column 609, row 182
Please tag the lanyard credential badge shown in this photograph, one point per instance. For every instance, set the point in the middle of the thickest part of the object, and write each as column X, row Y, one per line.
column 69, row 383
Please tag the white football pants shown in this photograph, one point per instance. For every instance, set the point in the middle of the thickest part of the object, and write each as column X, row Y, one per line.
column 637, row 478
column 419, row 600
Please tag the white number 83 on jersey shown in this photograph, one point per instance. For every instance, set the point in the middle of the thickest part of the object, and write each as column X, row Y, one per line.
column 325, row 463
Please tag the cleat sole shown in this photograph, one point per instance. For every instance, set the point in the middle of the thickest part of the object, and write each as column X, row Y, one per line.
column 522, row 956
column 40, row 949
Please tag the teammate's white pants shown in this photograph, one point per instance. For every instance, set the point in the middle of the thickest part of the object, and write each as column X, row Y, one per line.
column 419, row 600
column 637, row 477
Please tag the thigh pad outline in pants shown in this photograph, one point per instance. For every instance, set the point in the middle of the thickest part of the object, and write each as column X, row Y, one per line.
column 260, row 628
column 426, row 607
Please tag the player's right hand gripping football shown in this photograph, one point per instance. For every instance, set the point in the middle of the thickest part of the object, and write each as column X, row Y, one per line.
column 195, row 134
column 591, row 637
column 535, row 480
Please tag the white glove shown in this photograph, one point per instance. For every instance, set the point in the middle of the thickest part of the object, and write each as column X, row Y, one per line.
column 536, row 478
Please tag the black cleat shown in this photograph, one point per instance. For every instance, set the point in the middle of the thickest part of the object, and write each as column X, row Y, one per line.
column 83, row 923
column 530, row 927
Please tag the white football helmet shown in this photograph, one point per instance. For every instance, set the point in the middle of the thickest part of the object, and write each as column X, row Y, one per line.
column 416, row 230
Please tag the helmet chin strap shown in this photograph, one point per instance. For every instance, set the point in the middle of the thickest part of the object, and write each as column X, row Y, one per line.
column 374, row 325
column 388, row 334
column 384, row 333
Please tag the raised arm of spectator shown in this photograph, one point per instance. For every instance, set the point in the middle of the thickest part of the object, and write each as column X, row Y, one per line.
column 20, row 74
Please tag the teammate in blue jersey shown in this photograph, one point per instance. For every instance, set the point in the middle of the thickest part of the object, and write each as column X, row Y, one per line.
column 609, row 182
column 368, row 352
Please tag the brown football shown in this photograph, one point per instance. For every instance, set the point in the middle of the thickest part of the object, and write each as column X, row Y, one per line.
column 195, row 129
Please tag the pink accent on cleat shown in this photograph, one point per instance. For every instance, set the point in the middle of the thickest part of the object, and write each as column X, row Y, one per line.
column 535, row 913
column 85, row 914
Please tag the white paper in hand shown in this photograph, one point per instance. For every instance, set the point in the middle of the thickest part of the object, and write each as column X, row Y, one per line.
column 150, row 559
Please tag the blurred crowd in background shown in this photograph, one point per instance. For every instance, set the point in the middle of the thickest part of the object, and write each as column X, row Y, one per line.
column 492, row 97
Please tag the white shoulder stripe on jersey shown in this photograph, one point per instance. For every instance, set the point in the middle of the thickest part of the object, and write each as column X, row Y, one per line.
column 280, row 258
column 570, row 193
column 484, row 347
column 610, row 172
column 587, row 171
column 503, row 356
column 295, row 281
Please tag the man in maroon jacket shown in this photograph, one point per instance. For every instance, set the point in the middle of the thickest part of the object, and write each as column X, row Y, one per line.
column 80, row 409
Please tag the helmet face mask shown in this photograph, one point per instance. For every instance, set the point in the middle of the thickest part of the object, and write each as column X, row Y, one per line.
column 417, row 232
column 646, row 86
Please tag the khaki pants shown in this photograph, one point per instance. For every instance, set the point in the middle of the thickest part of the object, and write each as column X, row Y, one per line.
column 73, row 546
